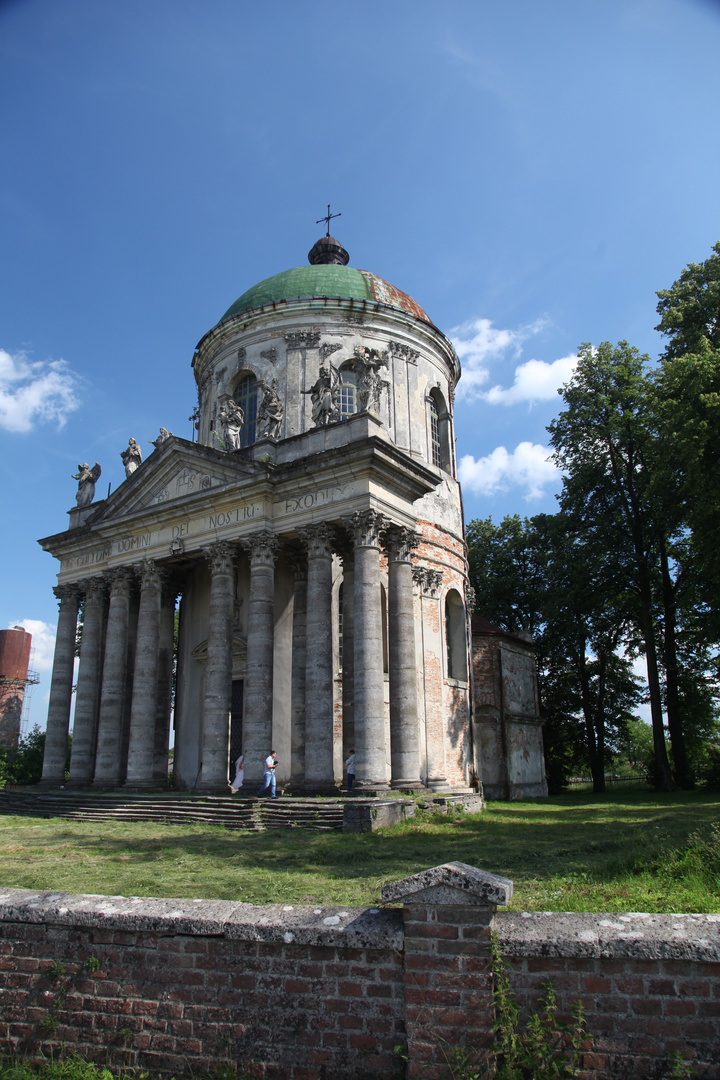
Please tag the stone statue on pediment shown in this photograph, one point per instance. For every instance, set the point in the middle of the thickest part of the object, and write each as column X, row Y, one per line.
column 86, row 478
column 131, row 458
column 162, row 437
column 270, row 412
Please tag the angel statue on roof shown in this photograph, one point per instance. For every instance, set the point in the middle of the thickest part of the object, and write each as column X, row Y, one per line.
column 86, row 478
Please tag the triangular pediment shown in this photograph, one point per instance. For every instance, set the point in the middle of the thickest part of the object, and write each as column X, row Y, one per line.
column 178, row 470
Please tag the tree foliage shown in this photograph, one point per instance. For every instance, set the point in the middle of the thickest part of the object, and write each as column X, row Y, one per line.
column 630, row 564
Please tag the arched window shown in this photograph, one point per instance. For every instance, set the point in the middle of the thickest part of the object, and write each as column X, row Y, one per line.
column 455, row 636
column 347, row 394
column 438, row 431
column 246, row 395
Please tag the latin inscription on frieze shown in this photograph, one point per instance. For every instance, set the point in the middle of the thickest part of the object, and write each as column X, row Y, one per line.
column 91, row 558
column 133, row 543
column 310, row 499
column 234, row 516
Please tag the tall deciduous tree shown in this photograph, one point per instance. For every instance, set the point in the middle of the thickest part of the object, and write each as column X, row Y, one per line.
column 605, row 442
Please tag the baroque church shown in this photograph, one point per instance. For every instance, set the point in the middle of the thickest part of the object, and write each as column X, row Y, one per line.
column 296, row 577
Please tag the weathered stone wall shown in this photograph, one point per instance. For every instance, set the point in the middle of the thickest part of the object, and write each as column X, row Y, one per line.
column 311, row 993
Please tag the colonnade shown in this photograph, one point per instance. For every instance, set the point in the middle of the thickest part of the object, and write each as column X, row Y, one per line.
column 123, row 695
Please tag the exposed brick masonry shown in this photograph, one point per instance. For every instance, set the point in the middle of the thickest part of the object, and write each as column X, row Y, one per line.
column 314, row 993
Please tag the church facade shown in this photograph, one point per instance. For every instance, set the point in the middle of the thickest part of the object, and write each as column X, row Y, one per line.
column 313, row 537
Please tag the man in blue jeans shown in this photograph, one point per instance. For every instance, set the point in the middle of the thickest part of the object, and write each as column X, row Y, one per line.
column 269, row 776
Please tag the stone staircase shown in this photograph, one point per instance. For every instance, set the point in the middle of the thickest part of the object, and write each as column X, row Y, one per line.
column 236, row 812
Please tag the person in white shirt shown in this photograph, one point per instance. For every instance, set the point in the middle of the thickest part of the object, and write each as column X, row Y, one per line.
column 269, row 777
column 350, row 766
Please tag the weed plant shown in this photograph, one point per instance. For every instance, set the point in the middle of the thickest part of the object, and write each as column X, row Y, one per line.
column 644, row 851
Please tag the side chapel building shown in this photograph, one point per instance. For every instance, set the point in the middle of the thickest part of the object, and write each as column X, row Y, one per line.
column 314, row 536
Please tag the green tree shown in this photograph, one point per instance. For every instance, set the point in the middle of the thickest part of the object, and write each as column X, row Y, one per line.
column 605, row 440
column 689, row 394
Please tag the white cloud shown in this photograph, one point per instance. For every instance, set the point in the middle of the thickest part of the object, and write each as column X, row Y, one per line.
column 534, row 381
column 528, row 466
column 43, row 642
column 478, row 343
column 34, row 391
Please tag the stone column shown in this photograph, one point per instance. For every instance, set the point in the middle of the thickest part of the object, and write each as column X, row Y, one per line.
column 218, row 671
column 348, row 654
column 299, row 660
column 145, row 681
column 165, row 678
column 430, row 582
column 108, row 760
column 257, row 724
column 87, row 695
column 370, row 768
column 319, row 772
column 58, row 721
column 404, row 732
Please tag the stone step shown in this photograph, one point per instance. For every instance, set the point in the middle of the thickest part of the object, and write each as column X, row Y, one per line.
column 231, row 812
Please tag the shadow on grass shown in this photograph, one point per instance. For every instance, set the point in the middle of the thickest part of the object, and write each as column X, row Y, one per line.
column 575, row 834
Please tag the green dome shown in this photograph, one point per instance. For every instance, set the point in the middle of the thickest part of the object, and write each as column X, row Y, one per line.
column 341, row 282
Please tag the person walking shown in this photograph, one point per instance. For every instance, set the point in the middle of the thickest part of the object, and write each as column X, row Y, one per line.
column 350, row 766
column 269, row 776
column 239, row 775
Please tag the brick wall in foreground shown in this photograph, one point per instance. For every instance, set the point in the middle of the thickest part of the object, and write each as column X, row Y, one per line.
column 320, row 993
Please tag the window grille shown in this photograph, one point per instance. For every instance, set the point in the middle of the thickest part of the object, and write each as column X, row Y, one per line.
column 435, row 446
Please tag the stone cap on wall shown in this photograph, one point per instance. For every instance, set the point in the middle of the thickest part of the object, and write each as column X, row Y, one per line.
column 630, row 935
column 347, row 927
column 450, row 883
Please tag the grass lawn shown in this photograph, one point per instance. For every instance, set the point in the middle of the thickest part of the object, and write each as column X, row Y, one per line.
column 637, row 851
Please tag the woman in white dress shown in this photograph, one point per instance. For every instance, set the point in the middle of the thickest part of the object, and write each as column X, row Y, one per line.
column 239, row 774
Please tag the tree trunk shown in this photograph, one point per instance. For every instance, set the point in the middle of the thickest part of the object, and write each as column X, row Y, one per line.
column 597, row 763
column 682, row 770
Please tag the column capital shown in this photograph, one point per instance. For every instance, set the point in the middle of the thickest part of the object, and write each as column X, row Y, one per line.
column 429, row 581
column 365, row 527
column 470, row 598
column 94, row 588
column 318, row 539
column 120, row 580
column 221, row 557
column 302, row 339
column 262, row 548
column 401, row 542
column 67, row 594
column 150, row 574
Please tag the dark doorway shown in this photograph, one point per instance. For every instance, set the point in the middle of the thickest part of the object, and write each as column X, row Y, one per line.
column 236, row 712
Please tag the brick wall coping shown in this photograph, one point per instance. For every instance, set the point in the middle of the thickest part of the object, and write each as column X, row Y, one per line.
column 634, row 935
column 348, row 927
column 450, row 883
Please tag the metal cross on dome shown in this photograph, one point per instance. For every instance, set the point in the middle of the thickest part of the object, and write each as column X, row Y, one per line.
column 327, row 219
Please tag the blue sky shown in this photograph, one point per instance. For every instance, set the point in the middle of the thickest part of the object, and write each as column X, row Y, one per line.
column 530, row 172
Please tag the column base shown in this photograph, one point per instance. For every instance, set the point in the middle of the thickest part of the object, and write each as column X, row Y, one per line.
column 140, row 785
column 408, row 785
column 48, row 785
column 438, row 783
